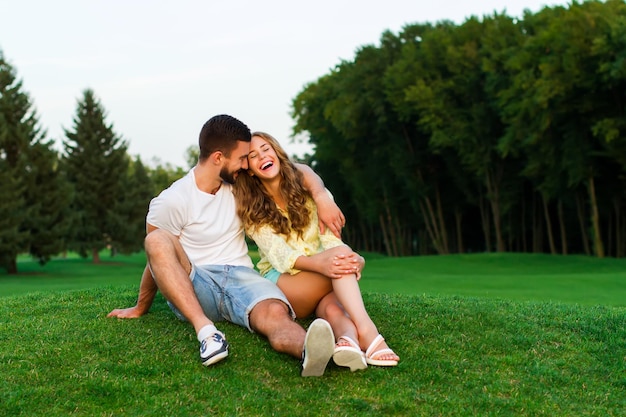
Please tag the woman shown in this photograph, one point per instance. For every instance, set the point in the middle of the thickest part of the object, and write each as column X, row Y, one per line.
column 317, row 272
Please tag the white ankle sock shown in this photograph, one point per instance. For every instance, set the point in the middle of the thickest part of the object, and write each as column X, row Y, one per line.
column 206, row 331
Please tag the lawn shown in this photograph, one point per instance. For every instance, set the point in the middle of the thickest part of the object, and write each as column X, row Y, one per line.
column 479, row 335
column 522, row 277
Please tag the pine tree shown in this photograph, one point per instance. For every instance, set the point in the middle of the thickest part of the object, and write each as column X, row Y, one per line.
column 12, row 239
column 50, row 194
column 34, row 195
column 95, row 163
column 133, row 201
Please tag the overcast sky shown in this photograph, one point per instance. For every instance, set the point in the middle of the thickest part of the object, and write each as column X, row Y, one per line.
column 162, row 68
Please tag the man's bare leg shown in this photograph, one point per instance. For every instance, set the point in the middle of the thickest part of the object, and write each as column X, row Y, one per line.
column 271, row 318
column 170, row 269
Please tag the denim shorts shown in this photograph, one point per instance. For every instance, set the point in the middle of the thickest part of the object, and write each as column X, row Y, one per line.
column 229, row 293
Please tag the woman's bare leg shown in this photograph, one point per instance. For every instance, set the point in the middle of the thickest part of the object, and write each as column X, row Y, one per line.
column 304, row 291
column 331, row 310
column 348, row 294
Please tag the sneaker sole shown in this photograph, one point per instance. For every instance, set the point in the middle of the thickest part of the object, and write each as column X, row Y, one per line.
column 319, row 347
column 216, row 358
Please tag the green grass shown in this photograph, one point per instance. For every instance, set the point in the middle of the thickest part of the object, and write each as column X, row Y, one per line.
column 477, row 334
column 524, row 277
column 72, row 273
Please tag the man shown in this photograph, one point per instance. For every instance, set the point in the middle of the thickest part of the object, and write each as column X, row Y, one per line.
column 198, row 257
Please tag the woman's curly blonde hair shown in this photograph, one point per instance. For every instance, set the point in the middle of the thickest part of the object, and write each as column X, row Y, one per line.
column 256, row 208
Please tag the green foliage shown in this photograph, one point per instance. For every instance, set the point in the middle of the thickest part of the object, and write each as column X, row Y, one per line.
column 12, row 239
column 34, row 194
column 163, row 175
column 93, row 197
column 49, row 195
column 192, row 154
column 95, row 162
column 498, row 133
column 128, row 220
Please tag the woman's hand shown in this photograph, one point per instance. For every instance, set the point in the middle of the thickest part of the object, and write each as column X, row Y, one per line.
column 338, row 262
column 354, row 263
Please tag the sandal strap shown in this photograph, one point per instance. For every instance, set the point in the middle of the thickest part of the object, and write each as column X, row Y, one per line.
column 377, row 340
column 350, row 341
column 381, row 352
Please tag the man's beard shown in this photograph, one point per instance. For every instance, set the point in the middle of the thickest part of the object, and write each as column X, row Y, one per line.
column 228, row 176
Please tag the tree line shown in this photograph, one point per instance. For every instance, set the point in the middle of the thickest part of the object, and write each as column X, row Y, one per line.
column 497, row 134
column 91, row 196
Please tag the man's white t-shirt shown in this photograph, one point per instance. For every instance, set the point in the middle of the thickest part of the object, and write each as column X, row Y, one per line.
column 207, row 225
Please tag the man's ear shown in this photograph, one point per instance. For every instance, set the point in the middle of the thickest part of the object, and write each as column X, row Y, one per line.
column 216, row 157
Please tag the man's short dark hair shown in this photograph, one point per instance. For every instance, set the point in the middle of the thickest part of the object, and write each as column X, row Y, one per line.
column 221, row 133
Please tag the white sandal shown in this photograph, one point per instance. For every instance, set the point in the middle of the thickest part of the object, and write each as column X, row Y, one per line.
column 349, row 356
column 370, row 354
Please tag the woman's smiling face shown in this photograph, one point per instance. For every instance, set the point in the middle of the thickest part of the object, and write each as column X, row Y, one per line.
column 262, row 159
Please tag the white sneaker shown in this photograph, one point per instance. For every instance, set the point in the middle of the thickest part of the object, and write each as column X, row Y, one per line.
column 319, row 345
column 213, row 349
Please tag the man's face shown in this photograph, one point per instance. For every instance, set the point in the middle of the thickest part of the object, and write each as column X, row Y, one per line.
column 237, row 161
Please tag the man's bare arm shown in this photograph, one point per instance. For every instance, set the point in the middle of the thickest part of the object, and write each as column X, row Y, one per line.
column 328, row 212
column 147, row 292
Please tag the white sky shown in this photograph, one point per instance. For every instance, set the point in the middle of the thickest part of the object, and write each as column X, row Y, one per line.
column 162, row 68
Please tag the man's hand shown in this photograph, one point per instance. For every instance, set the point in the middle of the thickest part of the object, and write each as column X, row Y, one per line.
column 328, row 212
column 126, row 313
column 329, row 215
column 147, row 291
